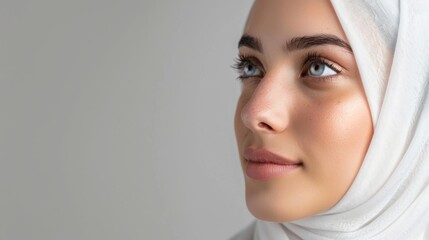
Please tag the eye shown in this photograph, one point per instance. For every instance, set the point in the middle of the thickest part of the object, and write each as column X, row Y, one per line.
column 320, row 69
column 317, row 67
column 247, row 68
column 250, row 70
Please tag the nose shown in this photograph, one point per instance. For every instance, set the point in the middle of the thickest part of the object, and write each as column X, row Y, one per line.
column 267, row 110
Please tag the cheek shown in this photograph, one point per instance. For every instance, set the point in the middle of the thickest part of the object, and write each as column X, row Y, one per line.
column 238, row 124
column 240, row 129
column 335, row 136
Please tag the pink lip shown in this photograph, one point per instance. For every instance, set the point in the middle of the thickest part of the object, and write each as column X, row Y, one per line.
column 263, row 164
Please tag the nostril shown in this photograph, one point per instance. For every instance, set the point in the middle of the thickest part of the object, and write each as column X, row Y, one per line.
column 264, row 125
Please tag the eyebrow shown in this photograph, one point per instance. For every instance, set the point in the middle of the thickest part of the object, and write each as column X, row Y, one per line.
column 250, row 42
column 297, row 43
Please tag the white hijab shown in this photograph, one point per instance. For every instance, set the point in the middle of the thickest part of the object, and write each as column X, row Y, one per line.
column 389, row 198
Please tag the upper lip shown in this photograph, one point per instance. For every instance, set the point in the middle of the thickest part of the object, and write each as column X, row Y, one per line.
column 264, row 156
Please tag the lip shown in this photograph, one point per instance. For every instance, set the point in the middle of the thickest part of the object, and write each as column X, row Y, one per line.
column 263, row 164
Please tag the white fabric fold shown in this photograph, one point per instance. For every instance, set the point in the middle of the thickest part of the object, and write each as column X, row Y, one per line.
column 389, row 199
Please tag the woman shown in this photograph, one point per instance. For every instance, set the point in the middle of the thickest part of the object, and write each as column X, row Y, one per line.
column 332, row 124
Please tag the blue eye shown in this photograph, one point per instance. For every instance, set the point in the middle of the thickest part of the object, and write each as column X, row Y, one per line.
column 249, row 70
column 317, row 67
column 320, row 69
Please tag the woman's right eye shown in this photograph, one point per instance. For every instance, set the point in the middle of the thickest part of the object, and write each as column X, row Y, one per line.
column 247, row 69
column 250, row 70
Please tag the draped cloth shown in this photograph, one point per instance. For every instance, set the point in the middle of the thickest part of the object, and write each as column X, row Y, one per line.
column 389, row 198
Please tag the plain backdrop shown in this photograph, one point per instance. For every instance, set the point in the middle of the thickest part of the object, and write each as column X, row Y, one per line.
column 116, row 119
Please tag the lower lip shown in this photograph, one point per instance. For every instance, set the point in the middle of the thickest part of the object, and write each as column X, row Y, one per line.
column 264, row 171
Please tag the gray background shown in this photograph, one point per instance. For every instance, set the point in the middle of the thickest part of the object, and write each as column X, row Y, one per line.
column 117, row 119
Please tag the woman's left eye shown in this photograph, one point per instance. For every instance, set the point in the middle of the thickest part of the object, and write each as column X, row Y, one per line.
column 320, row 69
column 317, row 67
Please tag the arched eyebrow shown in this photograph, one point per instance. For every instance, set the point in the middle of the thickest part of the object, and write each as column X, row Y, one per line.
column 297, row 43
column 315, row 40
column 250, row 42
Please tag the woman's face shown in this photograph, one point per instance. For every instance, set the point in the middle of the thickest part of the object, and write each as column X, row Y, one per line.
column 302, row 99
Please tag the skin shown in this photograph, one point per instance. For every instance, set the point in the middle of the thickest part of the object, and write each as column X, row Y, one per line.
column 323, row 122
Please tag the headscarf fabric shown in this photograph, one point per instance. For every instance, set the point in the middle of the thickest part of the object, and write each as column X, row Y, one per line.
column 389, row 198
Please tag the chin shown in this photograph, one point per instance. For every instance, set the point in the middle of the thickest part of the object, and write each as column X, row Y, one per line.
column 273, row 209
column 272, row 213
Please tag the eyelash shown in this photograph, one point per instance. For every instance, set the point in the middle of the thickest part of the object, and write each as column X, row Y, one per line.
column 312, row 57
column 241, row 61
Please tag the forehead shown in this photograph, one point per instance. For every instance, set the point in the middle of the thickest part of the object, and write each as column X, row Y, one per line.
column 279, row 20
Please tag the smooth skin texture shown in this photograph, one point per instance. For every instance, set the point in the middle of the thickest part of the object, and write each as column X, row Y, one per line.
column 305, row 103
